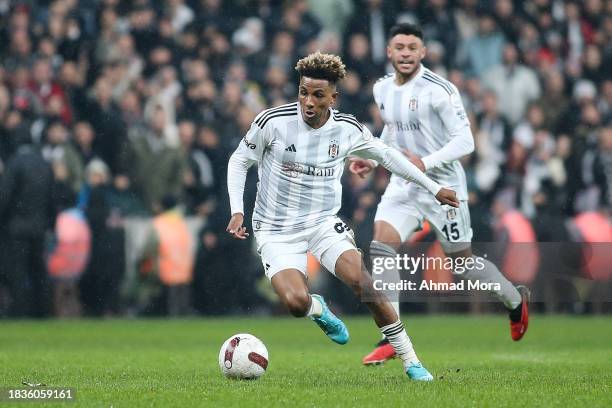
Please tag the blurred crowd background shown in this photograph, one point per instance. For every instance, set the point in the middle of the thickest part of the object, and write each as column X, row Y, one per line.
column 121, row 115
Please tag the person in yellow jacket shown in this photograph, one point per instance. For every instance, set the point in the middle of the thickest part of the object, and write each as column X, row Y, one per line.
column 169, row 257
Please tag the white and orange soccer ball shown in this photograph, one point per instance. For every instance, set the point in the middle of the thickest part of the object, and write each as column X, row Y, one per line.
column 243, row 356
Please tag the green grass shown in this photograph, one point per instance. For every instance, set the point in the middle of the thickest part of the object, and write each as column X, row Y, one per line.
column 562, row 361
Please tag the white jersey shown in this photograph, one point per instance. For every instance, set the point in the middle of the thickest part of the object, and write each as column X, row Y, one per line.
column 300, row 168
column 424, row 115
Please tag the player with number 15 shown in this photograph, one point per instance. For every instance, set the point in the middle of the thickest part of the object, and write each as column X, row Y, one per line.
column 424, row 117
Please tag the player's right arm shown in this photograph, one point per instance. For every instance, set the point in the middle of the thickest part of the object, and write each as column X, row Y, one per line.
column 249, row 151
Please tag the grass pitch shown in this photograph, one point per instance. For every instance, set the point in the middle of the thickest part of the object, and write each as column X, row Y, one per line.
column 562, row 361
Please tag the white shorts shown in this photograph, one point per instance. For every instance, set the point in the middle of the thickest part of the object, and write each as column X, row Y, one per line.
column 288, row 250
column 400, row 205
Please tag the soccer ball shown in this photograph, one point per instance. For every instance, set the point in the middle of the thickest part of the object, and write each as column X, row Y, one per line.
column 243, row 356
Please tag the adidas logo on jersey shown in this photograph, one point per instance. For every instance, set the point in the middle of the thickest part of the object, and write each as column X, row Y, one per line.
column 291, row 148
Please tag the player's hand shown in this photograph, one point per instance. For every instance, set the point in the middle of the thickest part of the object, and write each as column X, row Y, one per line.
column 235, row 227
column 360, row 167
column 414, row 159
column 446, row 196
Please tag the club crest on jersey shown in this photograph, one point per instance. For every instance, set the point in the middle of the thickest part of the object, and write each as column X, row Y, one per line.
column 451, row 214
column 413, row 104
column 333, row 149
column 257, row 225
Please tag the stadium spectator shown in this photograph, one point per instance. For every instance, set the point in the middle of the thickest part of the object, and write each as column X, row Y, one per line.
column 373, row 20
column 359, row 58
column 198, row 179
column 99, row 286
column 554, row 101
column 483, row 50
column 439, row 24
column 84, row 136
column 50, row 94
column 352, row 99
column 492, row 137
column 603, row 166
column 525, row 131
column 180, row 14
column 155, row 168
column 26, row 214
column 169, row 256
column 298, row 21
column 105, row 117
column 333, row 15
column 67, row 260
column 59, row 151
column 516, row 85
column 435, row 58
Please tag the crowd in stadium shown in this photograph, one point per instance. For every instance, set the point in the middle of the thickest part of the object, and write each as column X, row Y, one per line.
column 125, row 108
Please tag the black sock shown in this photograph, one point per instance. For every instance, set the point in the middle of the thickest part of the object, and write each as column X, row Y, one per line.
column 516, row 314
column 382, row 342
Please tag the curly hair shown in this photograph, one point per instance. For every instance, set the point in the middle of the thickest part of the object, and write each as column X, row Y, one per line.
column 321, row 66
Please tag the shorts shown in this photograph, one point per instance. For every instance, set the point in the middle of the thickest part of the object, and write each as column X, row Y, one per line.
column 288, row 250
column 401, row 204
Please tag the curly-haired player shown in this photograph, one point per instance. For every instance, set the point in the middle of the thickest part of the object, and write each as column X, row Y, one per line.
column 301, row 150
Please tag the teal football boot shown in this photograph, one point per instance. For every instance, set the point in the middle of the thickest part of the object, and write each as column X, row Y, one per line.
column 333, row 327
column 417, row 372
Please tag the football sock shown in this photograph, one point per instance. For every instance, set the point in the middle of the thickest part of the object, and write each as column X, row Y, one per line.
column 316, row 309
column 397, row 336
column 381, row 250
column 507, row 293
column 516, row 314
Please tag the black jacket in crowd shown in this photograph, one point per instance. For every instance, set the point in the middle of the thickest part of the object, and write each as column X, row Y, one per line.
column 26, row 204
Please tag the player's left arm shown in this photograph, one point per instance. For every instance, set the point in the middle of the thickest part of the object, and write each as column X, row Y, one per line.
column 364, row 145
column 362, row 167
column 452, row 113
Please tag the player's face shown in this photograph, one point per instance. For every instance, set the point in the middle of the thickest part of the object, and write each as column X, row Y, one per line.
column 405, row 53
column 315, row 97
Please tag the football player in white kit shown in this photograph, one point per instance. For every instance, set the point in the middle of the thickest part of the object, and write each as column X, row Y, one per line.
column 424, row 117
column 301, row 149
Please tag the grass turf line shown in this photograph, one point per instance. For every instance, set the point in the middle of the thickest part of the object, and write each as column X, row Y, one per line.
column 129, row 363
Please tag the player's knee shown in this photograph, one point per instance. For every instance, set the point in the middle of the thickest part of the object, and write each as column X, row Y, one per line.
column 385, row 232
column 297, row 303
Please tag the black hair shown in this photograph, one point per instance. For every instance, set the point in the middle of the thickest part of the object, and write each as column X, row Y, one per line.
column 406, row 29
